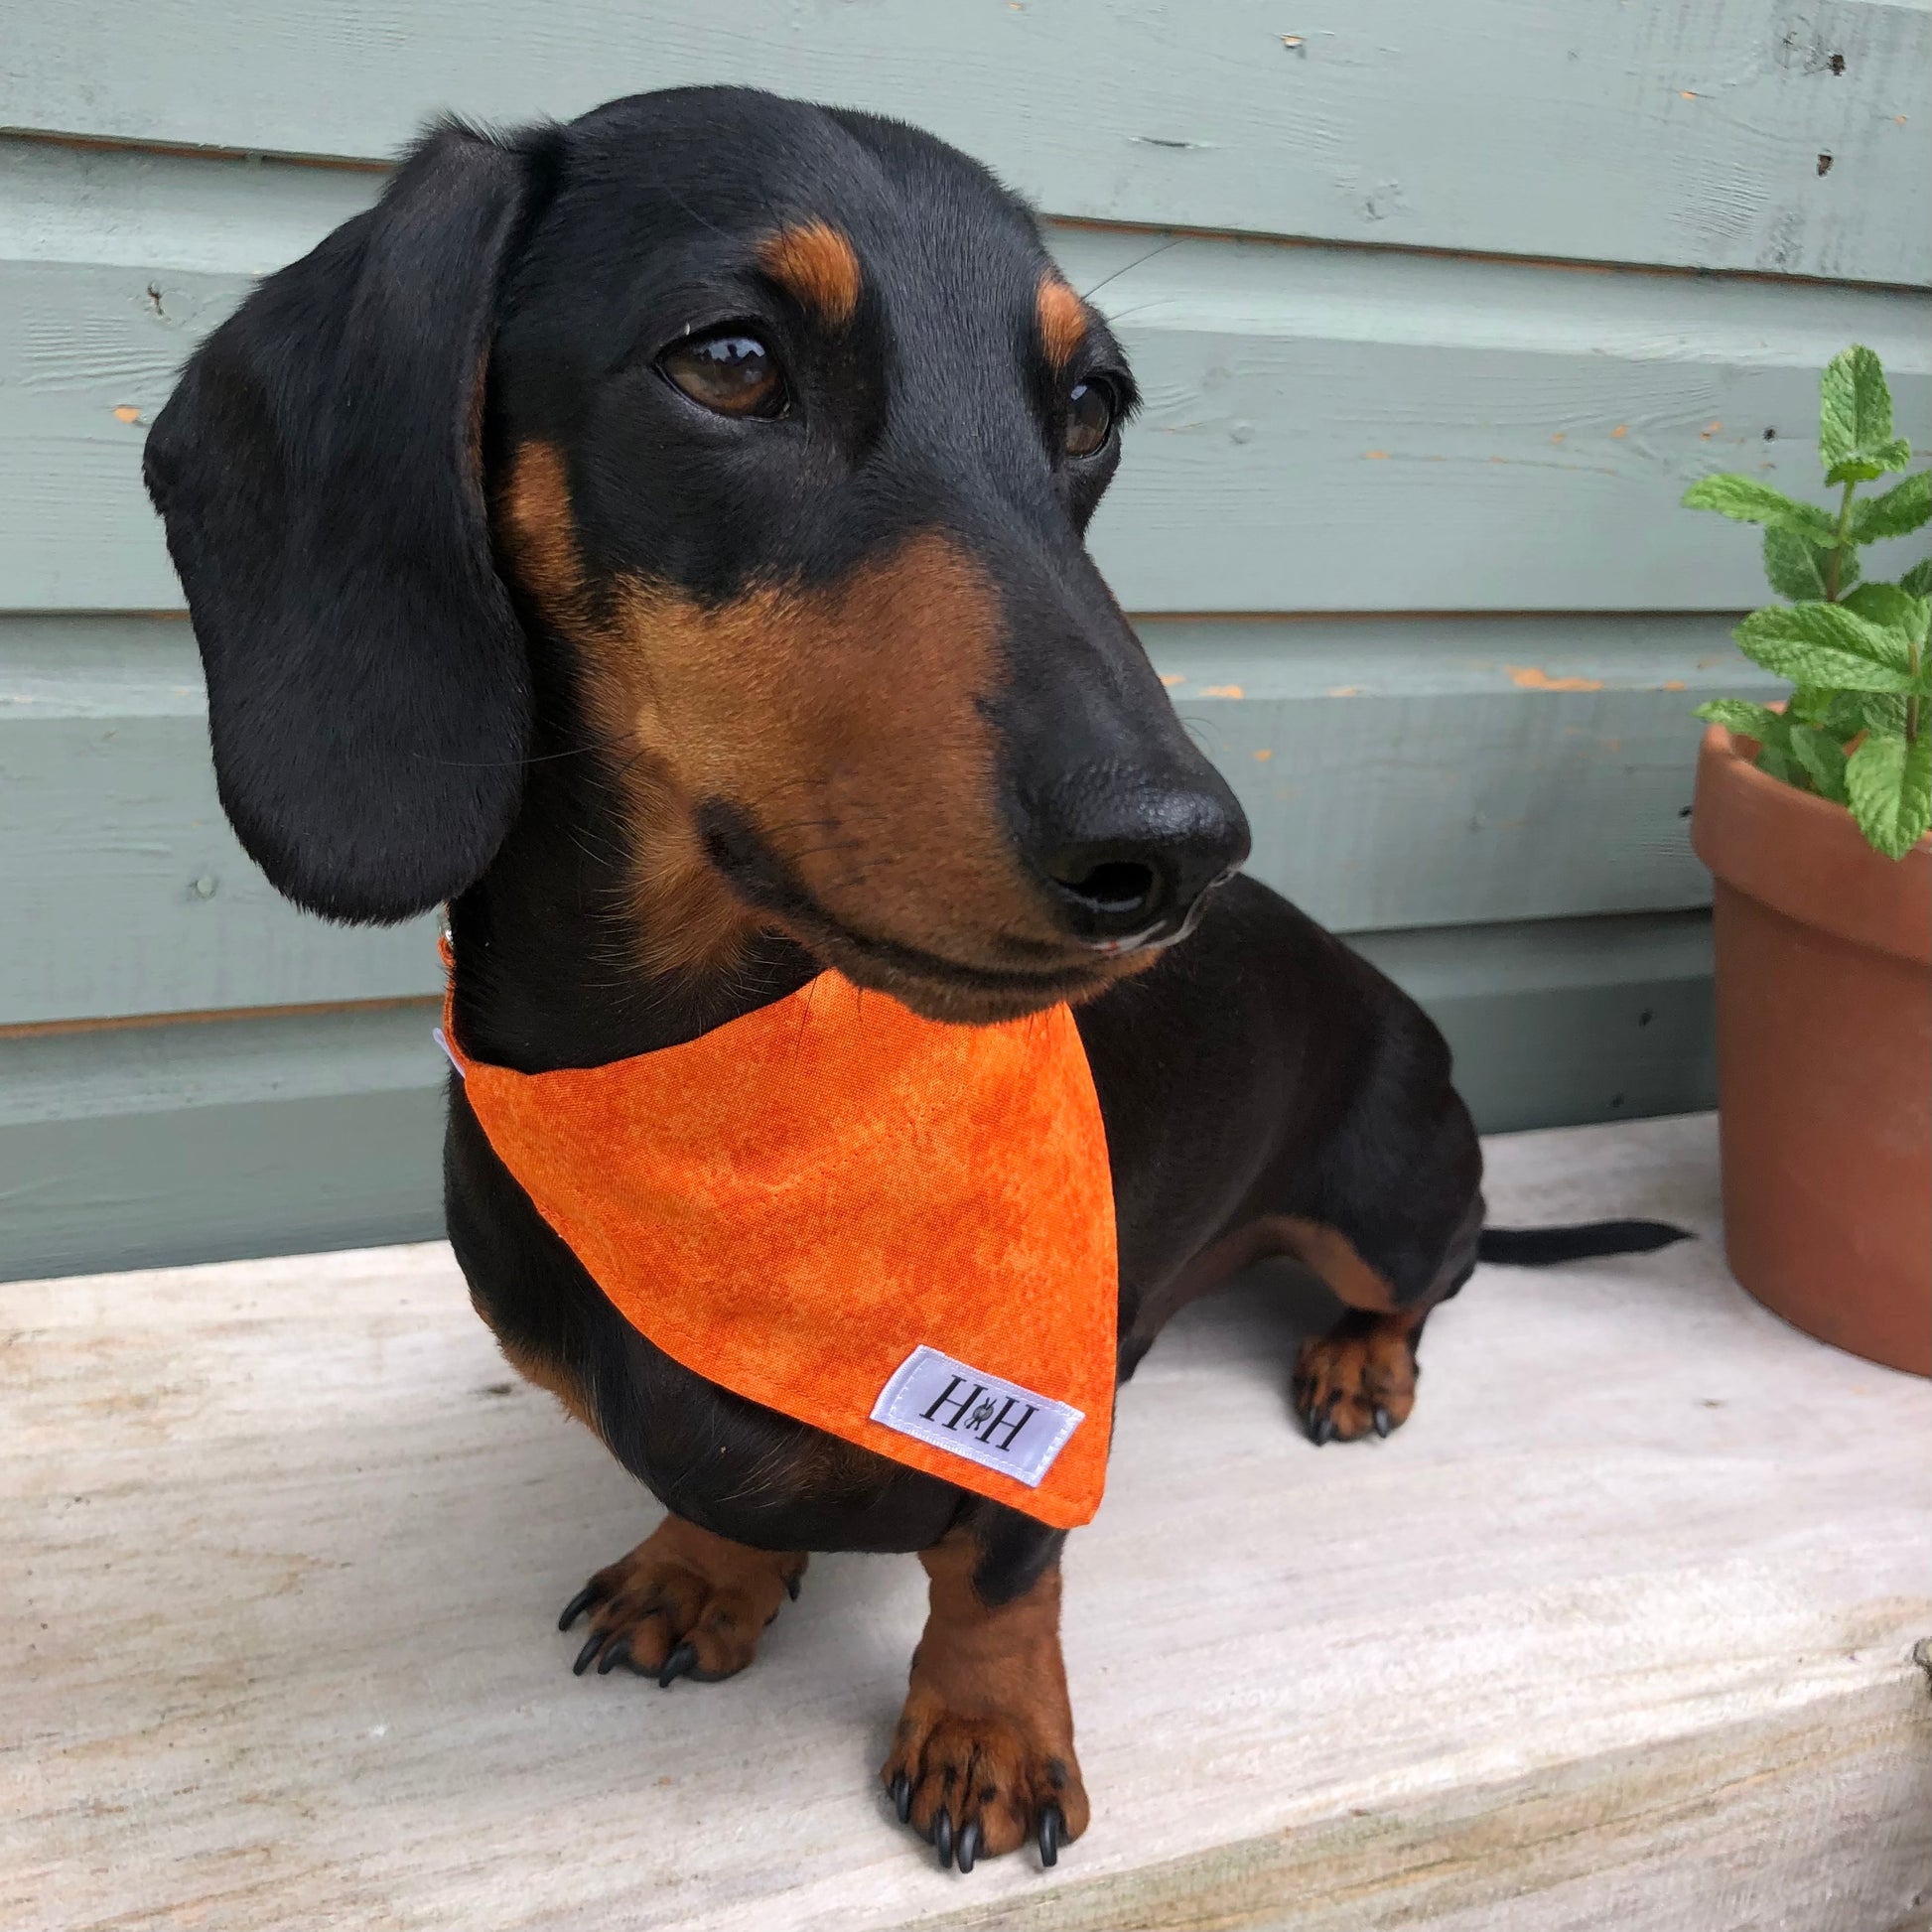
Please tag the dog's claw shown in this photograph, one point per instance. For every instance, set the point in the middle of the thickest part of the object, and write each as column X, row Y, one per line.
column 793, row 1585
column 682, row 1659
column 618, row 1653
column 902, row 1797
column 591, row 1646
column 577, row 1606
column 942, row 1837
column 1051, row 1824
column 1381, row 1418
column 1322, row 1428
column 969, row 1845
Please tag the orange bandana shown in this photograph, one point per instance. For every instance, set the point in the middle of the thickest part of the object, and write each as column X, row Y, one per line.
column 897, row 1231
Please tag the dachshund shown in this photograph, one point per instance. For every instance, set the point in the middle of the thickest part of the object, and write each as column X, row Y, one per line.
column 659, row 539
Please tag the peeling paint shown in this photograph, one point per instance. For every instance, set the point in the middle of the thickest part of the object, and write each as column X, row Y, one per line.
column 1673, row 684
column 1375, row 455
column 127, row 413
column 1344, row 690
column 1533, row 677
column 1710, row 430
column 1264, row 755
column 1623, row 428
column 1172, row 678
column 1223, row 691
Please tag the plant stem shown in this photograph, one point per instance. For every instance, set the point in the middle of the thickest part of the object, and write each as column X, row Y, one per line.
column 1837, row 549
column 1911, row 703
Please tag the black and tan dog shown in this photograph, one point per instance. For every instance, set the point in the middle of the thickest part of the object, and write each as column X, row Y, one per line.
column 660, row 539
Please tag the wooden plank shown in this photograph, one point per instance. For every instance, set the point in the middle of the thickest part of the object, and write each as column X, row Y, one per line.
column 127, row 891
column 313, row 1128
column 1396, row 775
column 1450, row 771
column 1573, row 1021
column 1651, row 132
column 181, row 1143
column 1616, row 1632
column 1327, row 429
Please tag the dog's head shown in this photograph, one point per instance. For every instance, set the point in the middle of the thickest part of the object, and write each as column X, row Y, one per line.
column 779, row 427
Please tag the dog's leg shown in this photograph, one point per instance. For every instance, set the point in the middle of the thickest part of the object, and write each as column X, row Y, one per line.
column 1360, row 1377
column 682, row 1603
column 982, row 1759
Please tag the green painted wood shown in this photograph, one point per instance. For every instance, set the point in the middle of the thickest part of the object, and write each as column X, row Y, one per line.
column 1397, row 773
column 141, row 1147
column 1650, row 131
column 1439, row 773
column 1326, row 428
column 1578, row 1020
column 126, row 892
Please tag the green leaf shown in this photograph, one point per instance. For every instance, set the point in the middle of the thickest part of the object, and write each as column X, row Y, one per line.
column 1809, row 705
column 1748, row 720
column 1862, row 469
column 1746, row 500
column 1826, row 644
column 1822, row 759
column 1917, row 582
column 1869, row 711
column 1799, row 569
column 1780, row 764
column 1855, row 415
column 1891, row 784
column 1894, row 610
column 1898, row 513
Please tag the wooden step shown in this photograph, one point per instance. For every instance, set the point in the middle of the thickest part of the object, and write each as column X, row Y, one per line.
column 1617, row 1632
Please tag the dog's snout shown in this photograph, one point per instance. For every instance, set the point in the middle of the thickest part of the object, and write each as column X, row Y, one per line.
column 1128, row 860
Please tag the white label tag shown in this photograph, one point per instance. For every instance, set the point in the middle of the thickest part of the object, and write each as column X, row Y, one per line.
column 987, row 1420
column 442, row 1041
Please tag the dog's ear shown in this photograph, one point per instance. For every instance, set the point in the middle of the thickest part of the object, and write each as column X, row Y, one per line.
column 319, row 470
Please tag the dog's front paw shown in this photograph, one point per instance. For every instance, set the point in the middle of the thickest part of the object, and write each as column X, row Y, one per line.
column 682, row 1603
column 974, row 1787
column 1358, row 1379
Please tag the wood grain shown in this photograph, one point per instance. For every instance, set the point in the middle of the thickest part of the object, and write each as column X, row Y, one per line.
column 322, row 1127
column 1616, row 1632
column 1653, row 132
column 1327, row 429
column 242, row 1137
column 1396, row 775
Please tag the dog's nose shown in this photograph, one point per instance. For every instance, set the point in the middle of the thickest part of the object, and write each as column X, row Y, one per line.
column 1129, row 860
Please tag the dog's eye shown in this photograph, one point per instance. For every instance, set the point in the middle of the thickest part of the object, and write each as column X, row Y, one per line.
column 730, row 372
column 1090, row 412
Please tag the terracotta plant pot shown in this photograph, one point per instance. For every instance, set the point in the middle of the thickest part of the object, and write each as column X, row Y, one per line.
column 1824, row 1059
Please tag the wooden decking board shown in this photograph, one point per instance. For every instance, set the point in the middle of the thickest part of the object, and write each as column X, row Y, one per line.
column 1616, row 1632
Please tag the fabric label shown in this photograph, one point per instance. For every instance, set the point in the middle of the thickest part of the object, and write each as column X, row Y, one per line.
column 987, row 1420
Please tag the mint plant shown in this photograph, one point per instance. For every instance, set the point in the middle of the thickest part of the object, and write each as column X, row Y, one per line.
column 1858, row 729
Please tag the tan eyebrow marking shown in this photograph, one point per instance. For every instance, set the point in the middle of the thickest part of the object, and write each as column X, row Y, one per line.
column 818, row 265
column 1062, row 320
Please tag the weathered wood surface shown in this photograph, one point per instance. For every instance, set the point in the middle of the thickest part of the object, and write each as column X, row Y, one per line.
column 1397, row 775
column 127, row 891
column 1616, row 1632
column 145, row 1144
column 1662, row 132
column 207, row 1139
column 1365, row 407
column 1336, row 430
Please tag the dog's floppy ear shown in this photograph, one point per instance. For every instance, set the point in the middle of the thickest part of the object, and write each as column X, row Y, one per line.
column 319, row 470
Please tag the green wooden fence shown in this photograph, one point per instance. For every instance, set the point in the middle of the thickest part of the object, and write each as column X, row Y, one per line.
column 1437, row 310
